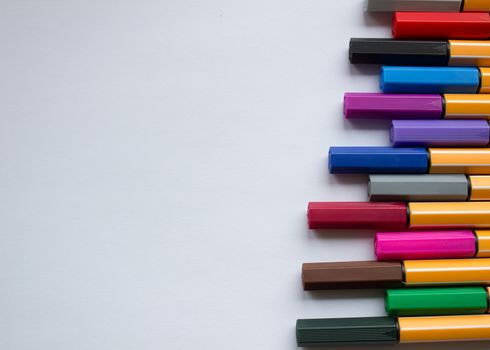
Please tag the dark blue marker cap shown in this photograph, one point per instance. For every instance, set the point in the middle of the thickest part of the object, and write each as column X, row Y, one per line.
column 378, row 160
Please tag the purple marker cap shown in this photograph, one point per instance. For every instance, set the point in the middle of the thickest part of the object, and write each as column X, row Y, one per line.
column 439, row 133
column 392, row 106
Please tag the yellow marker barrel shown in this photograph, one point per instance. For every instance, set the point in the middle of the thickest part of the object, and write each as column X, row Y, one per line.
column 480, row 188
column 444, row 328
column 447, row 271
column 484, row 80
column 459, row 160
column 449, row 215
column 469, row 53
column 476, row 6
column 483, row 239
column 467, row 106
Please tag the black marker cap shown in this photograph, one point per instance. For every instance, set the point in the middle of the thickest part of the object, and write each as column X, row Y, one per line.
column 399, row 52
column 335, row 331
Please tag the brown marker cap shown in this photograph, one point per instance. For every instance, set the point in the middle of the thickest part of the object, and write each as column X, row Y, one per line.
column 352, row 275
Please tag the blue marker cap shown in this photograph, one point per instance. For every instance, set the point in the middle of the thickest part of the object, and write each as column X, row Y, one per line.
column 378, row 160
column 429, row 80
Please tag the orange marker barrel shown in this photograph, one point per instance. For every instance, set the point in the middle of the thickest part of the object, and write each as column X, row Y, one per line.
column 468, row 106
column 469, row 53
column 444, row 328
column 483, row 239
column 447, row 271
column 459, row 160
column 476, row 6
column 484, row 80
column 449, row 215
column 480, row 187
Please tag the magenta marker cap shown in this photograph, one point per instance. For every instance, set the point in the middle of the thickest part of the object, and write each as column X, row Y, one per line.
column 424, row 245
column 439, row 133
column 392, row 106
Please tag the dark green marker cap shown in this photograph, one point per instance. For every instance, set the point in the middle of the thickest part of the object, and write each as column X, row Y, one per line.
column 334, row 331
column 436, row 301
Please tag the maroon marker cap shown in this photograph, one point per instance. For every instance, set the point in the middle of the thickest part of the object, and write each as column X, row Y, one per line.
column 357, row 215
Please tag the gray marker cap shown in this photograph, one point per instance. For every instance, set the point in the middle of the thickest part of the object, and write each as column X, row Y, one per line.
column 418, row 188
column 413, row 5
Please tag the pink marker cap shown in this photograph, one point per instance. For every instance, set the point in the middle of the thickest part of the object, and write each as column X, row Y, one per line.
column 424, row 245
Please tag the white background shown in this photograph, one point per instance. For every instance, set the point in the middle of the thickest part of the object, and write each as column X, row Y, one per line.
column 157, row 158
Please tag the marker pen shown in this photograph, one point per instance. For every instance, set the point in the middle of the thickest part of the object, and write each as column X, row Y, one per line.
column 373, row 105
column 395, row 274
column 437, row 301
column 415, row 160
column 428, row 5
column 391, row 330
column 429, row 188
column 398, row 216
column 440, row 133
column 440, row 25
column 415, row 245
column 434, row 80
column 420, row 52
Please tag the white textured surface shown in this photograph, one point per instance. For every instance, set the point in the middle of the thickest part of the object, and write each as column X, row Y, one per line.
column 156, row 162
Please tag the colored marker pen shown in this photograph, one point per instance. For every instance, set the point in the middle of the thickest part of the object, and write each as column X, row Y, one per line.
column 395, row 274
column 415, row 160
column 437, row 301
column 440, row 133
column 429, row 188
column 434, row 80
column 415, row 245
column 390, row 330
column 420, row 52
column 440, row 25
column 373, row 105
column 398, row 216
column 428, row 5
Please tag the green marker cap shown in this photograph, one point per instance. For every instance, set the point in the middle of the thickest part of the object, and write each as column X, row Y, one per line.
column 436, row 301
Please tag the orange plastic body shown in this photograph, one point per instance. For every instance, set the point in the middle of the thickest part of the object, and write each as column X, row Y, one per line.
column 444, row 328
column 459, row 161
column 484, row 80
column 449, row 215
column 480, row 188
column 469, row 53
column 476, row 6
column 447, row 272
column 467, row 106
column 483, row 238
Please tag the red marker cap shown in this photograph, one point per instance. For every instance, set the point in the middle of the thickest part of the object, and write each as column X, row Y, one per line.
column 357, row 215
column 441, row 25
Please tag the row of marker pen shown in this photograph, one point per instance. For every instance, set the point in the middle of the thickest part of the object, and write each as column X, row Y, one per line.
column 429, row 193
